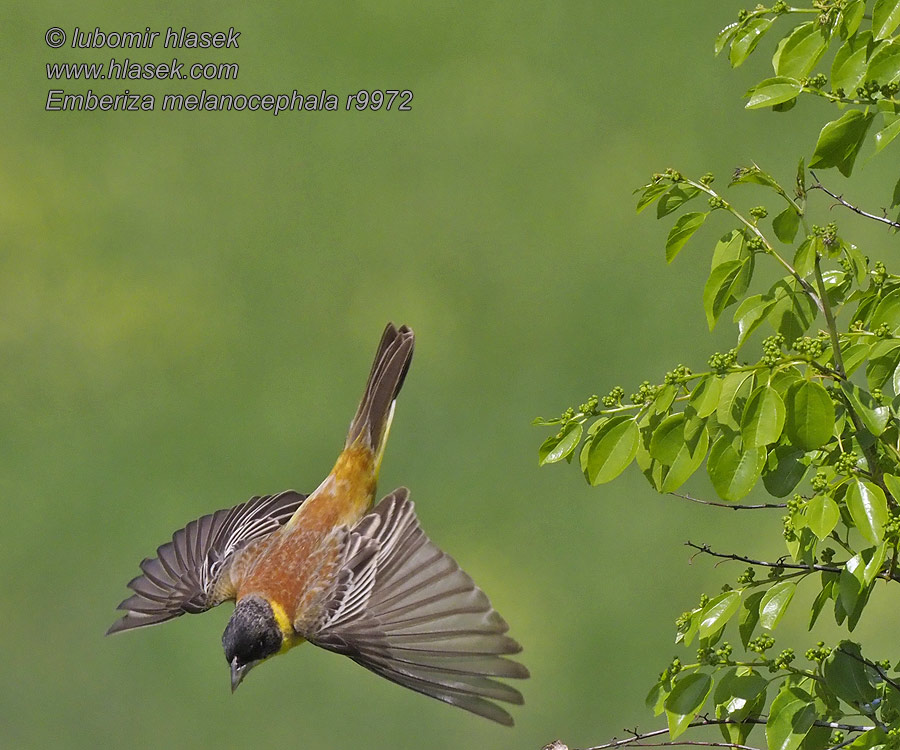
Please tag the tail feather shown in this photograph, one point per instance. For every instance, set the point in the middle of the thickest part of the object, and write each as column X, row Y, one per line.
column 373, row 417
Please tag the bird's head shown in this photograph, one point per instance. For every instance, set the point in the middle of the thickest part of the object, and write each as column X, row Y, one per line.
column 251, row 636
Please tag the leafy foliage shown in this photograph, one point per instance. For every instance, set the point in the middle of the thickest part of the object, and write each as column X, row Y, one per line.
column 806, row 405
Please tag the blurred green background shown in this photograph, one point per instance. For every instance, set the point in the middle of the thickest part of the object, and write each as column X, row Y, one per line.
column 189, row 303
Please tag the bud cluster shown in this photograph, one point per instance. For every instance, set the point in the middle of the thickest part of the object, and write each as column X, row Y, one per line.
column 721, row 361
column 772, row 349
column 819, row 653
column 614, row 397
column 678, row 375
column 761, row 643
column 646, row 392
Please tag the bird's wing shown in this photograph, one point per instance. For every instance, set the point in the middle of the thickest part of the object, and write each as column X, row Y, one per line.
column 183, row 576
column 404, row 609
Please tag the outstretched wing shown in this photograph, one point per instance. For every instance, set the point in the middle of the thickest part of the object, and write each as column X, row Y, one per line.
column 184, row 574
column 405, row 610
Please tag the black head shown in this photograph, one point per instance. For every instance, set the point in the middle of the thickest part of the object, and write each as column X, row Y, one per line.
column 252, row 635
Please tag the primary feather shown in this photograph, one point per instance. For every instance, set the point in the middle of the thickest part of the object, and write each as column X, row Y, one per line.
column 405, row 610
column 184, row 575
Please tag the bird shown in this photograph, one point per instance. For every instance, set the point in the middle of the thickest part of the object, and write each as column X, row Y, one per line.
column 341, row 572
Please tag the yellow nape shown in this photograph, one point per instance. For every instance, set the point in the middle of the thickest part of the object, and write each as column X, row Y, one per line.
column 289, row 637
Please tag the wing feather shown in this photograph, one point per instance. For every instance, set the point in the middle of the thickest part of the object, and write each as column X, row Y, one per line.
column 405, row 610
column 183, row 575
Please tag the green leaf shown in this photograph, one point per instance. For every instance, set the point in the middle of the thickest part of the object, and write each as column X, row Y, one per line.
column 740, row 694
column 809, row 415
column 686, row 636
column 733, row 246
column 840, row 141
column 656, row 698
column 751, row 313
column 822, row 515
column 805, row 257
column 803, row 547
column 886, row 135
column 848, row 676
column 873, row 739
column 873, row 415
column 887, row 311
column 719, row 290
column 611, row 450
column 725, row 36
column 884, row 65
column 749, row 616
column 818, row 738
column 690, row 456
column 557, row 447
column 736, row 386
column 791, row 716
column 849, row 67
column 883, row 361
column 773, row 91
column 736, row 692
column 718, row 612
column 868, row 509
column 786, row 225
column 885, row 18
column 854, row 355
column 851, row 17
column 874, row 560
column 826, row 593
column 705, row 396
column 746, row 39
column 785, row 467
column 674, row 199
column 734, row 473
column 668, row 439
column 893, row 485
column 858, row 263
column 763, row 418
column 737, row 734
column 801, row 51
column 754, row 176
column 853, row 591
column 730, row 246
column 686, row 699
column 774, row 603
column 682, row 231
column 651, row 193
column 793, row 312
column 664, row 398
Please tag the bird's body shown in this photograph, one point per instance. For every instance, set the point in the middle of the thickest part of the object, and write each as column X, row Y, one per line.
column 330, row 569
column 296, row 566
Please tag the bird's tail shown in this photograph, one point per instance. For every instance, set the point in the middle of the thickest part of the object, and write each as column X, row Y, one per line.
column 372, row 422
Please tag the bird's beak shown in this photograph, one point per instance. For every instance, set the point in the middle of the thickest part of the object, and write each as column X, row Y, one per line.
column 237, row 673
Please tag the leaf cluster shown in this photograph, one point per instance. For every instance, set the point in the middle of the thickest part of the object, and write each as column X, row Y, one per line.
column 858, row 48
column 805, row 406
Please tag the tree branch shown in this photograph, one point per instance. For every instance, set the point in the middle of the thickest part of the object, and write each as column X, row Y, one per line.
column 638, row 738
column 704, row 548
column 730, row 506
column 856, row 209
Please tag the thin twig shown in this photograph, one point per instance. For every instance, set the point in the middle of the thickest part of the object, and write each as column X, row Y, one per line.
column 704, row 548
column 730, row 506
column 856, row 209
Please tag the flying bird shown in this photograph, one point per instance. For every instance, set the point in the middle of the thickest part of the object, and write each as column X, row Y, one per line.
column 331, row 569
